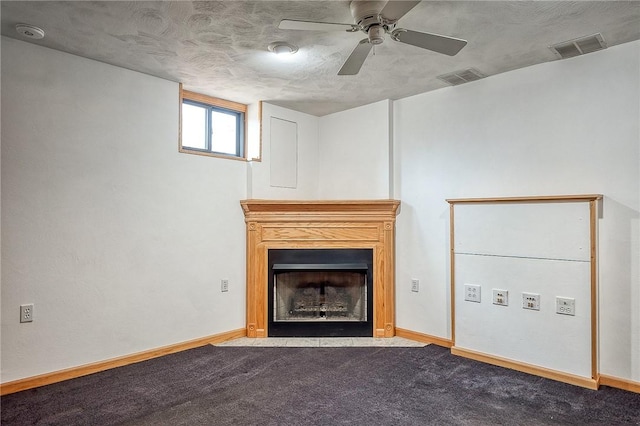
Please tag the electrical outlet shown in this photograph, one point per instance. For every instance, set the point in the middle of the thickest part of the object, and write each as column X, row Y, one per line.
column 472, row 293
column 224, row 285
column 26, row 313
column 500, row 297
column 531, row 301
column 565, row 305
column 415, row 285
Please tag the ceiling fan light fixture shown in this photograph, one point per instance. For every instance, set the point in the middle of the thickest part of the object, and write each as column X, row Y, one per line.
column 282, row 48
column 376, row 34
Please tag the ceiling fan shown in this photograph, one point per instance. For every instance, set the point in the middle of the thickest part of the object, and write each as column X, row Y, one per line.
column 377, row 18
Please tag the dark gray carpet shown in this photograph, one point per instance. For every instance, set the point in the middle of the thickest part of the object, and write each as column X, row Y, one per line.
column 317, row 386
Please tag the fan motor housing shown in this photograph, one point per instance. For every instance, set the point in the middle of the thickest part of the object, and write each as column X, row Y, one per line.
column 366, row 13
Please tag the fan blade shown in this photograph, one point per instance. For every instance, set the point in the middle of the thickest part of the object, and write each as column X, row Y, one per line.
column 289, row 24
column 441, row 44
column 395, row 10
column 354, row 62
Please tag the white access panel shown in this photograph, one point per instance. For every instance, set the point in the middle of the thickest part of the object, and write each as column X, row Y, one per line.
column 284, row 153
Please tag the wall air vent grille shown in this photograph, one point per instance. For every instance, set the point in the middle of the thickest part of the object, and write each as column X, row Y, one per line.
column 461, row 77
column 579, row 46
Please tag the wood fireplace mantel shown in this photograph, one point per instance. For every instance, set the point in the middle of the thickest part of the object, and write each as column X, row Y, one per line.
column 277, row 224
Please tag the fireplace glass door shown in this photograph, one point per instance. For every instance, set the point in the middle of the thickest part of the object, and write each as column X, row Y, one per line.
column 339, row 294
column 330, row 297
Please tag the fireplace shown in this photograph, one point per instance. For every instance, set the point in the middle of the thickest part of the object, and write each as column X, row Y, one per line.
column 320, row 293
column 311, row 290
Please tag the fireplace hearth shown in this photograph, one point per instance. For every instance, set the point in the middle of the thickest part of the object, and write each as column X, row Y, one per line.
column 320, row 293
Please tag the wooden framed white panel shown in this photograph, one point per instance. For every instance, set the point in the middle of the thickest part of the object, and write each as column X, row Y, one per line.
column 541, row 245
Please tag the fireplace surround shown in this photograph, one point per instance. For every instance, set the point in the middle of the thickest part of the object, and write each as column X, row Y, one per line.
column 282, row 225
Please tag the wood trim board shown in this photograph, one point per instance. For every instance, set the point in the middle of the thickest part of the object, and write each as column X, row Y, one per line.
column 84, row 370
column 528, row 199
column 423, row 338
column 210, row 100
column 590, row 383
column 617, row 382
column 593, row 235
column 452, row 271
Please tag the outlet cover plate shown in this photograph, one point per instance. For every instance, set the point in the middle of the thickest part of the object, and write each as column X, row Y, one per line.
column 224, row 285
column 415, row 285
column 500, row 297
column 26, row 313
column 566, row 306
column 472, row 293
column 531, row 301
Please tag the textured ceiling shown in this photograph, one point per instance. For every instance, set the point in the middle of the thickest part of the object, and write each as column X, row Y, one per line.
column 220, row 47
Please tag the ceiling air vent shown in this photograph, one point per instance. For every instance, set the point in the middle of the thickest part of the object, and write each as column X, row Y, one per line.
column 461, row 77
column 579, row 46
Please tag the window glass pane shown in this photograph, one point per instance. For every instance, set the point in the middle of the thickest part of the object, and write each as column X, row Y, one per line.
column 223, row 132
column 194, row 126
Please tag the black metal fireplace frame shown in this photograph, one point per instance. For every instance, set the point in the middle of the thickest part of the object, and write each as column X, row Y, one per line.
column 320, row 260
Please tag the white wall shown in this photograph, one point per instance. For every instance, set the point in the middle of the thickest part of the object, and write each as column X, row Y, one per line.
column 118, row 240
column 102, row 218
column 355, row 153
column 564, row 127
column 307, row 168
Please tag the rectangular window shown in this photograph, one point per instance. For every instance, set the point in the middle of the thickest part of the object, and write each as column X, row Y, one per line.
column 211, row 126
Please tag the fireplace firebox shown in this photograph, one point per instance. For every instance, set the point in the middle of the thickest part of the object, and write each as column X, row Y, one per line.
column 320, row 292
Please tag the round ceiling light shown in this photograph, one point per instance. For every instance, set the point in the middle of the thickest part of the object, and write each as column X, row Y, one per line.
column 282, row 48
column 30, row 31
